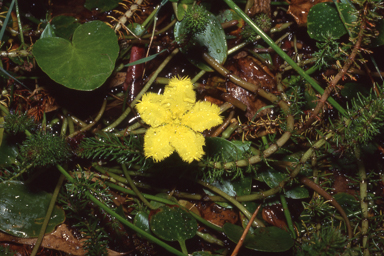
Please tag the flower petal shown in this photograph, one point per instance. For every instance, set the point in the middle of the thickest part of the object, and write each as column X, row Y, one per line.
column 179, row 95
column 188, row 144
column 157, row 142
column 152, row 111
column 204, row 115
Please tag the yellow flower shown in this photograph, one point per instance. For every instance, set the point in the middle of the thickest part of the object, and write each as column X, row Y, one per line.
column 176, row 120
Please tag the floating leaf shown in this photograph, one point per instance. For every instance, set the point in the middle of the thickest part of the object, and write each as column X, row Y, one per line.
column 85, row 63
column 173, row 224
column 324, row 21
column 101, row 5
column 23, row 211
column 268, row 239
column 212, row 41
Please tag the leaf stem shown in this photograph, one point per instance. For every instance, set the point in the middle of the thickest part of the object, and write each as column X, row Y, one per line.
column 48, row 215
column 134, row 188
column 257, row 222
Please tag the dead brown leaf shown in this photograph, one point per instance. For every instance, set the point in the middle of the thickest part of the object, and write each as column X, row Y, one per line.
column 61, row 240
column 299, row 9
column 252, row 71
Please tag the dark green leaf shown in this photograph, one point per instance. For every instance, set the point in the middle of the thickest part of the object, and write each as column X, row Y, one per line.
column 48, row 31
column 297, row 193
column 23, row 211
column 229, row 150
column 141, row 221
column 64, row 26
column 173, row 224
column 212, row 40
column 272, row 177
column 324, row 21
column 267, row 239
column 85, row 63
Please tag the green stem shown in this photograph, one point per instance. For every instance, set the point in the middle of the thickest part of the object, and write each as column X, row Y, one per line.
column 48, row 215
column 363, row 203
column 19, row 24
column 120, row 218
column 134, row 188
column 89, row 126
column 133, row 227
column 283, row 55
column 144, row 90
column 287, row 215
column 257, row 222
column 183, row 246
column 64, row 126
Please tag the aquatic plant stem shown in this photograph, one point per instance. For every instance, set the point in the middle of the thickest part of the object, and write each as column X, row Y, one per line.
column 287, row 215
column 257, row 222
column 19, row 24
column 283, row 55
column 134, row 188
column 48, row 215
column 120, row 218
column 89, row 126
column 142, row 92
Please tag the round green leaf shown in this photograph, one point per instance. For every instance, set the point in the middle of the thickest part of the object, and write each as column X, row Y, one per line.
column 85, row 63
column 268, row 239
column 211, row 40
column 323, row 21
column 23, row 211
column 172, row 223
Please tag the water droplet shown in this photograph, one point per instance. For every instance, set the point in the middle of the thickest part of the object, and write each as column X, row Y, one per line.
column 218, row 51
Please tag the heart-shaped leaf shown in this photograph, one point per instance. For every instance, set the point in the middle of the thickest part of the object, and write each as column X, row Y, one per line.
column 23, row 211
column 268, row 239
column 85, row 63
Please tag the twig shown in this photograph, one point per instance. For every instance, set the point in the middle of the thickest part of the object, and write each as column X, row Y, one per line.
column 241, row 241
column 336, row 79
